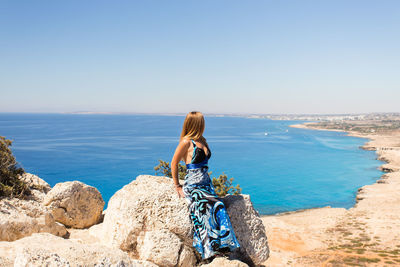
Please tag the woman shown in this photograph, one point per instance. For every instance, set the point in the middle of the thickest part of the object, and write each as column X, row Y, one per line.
column 212, row 230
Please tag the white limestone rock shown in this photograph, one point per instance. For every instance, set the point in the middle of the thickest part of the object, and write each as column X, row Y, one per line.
column 248, row 228
column 223, row 262
column 20, row 218
column 146, row 204
column 160, row 246
column 56, row 251
column 75, row 204
column 38, row 258
column 134, row 263
column 187, row 257
column 146, row 214
column 38, row 186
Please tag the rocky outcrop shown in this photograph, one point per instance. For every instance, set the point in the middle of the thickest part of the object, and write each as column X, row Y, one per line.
column 22, row 217
column 223, row 262
column 147, row 219
column 248, row 227
column 75, row 204
column 159, row 246
column 39, row 257
column 43, row 249
column 145, row 224
column 71, row 204
column 35, row 182
column 38, row 186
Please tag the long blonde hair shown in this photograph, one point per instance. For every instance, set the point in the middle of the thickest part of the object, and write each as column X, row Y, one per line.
column 193, row 126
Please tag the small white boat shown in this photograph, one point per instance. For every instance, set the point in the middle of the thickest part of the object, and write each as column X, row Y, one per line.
column 265, row 133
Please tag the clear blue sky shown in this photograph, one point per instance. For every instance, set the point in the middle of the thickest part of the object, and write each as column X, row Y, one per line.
column 214, row 56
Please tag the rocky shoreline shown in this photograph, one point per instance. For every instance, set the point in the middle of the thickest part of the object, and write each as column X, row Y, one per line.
column 367, row 234
column 145, row 224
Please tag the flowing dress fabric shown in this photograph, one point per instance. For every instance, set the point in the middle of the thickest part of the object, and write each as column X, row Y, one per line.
column 212, row 229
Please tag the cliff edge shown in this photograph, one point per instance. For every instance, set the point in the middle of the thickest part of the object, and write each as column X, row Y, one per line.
column 145, row 224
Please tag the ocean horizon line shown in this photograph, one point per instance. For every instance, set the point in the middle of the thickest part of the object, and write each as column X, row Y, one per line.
column 239, row 114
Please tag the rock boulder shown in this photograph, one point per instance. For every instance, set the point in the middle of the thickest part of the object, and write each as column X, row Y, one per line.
column 44, row 249
column 75, row 204
column 223, row 262
column 35, row 182
column 20, row 218
column 147, row 219
column 248, row 228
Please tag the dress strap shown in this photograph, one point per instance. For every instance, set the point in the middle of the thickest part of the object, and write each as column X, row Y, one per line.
column 194, row 143
column 194, row 150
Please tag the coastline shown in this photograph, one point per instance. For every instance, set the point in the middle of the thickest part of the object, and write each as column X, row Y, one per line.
column 367, row 233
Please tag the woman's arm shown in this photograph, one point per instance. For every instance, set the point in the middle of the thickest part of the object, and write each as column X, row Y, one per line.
column 180, row 152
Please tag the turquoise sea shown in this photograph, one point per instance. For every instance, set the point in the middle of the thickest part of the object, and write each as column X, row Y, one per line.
column 287, row 169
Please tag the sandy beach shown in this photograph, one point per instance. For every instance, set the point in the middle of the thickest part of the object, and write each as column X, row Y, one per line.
column 367, row 234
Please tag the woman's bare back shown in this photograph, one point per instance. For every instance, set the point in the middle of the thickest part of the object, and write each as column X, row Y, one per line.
column 188, row 157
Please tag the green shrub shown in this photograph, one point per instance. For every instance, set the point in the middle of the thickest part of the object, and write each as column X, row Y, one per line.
column 10, row 184
column 164, row 168
column 222, row 185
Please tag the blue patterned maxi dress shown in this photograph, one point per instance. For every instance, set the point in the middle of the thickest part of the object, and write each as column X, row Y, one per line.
column 212, row 229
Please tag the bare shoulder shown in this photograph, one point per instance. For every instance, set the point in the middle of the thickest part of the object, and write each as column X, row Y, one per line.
column 185, row 142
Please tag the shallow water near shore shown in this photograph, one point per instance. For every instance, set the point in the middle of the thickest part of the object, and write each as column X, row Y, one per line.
column 282, row 168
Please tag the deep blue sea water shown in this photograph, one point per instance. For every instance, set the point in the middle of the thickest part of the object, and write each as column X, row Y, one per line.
column 286, row 170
